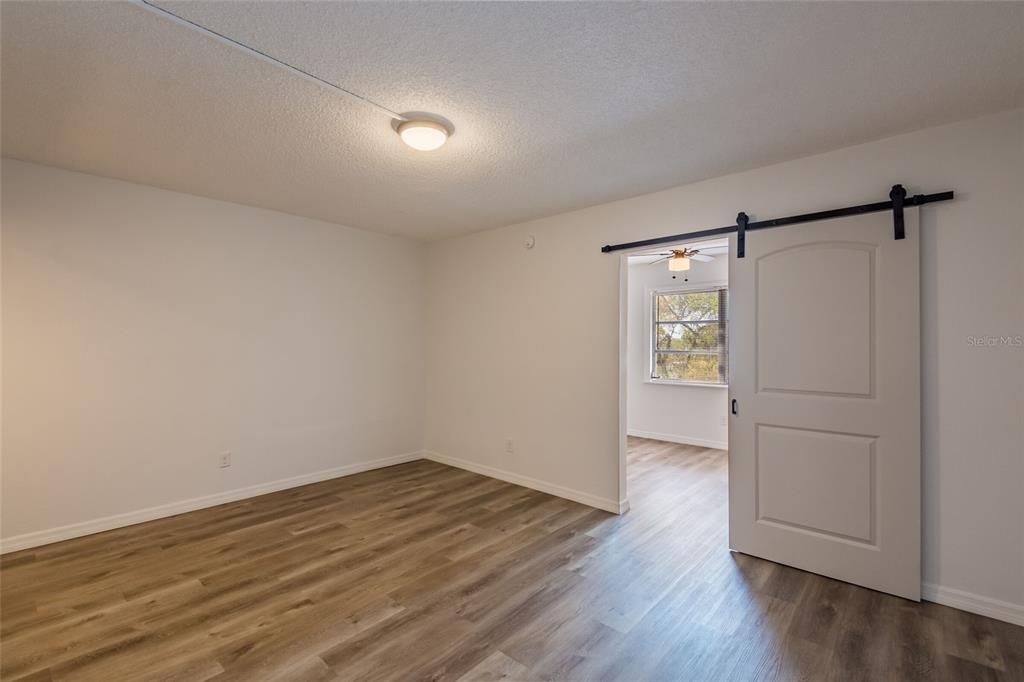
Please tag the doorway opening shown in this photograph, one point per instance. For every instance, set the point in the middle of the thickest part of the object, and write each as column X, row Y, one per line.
column 675, row 354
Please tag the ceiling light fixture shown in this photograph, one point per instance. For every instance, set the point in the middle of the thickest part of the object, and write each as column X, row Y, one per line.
column 679, row 259
column 679, row 263
column 423, row 135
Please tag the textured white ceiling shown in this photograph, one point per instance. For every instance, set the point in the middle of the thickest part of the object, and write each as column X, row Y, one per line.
column 555, row 105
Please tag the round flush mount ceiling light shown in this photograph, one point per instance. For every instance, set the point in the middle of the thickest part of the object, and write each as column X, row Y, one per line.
column 423, row 135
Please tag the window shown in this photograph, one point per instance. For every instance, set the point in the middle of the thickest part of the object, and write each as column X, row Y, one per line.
column 688, row 339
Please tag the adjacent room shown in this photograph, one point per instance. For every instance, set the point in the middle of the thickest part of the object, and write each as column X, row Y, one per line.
column 677, row 369
column 677, row 345
column 527, row 341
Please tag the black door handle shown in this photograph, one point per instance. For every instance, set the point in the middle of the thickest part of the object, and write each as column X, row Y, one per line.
column 734, row 411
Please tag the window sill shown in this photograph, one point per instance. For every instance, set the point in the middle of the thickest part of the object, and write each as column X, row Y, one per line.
column 674, row 382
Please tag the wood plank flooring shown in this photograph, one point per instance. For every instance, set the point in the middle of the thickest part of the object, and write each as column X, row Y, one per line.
column 421, row 571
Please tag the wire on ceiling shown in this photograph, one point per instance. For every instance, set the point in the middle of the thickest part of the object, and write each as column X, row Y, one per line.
column 156, row 9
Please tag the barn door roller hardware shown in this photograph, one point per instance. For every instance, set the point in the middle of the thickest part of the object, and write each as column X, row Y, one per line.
column 898, row 200
column 898, row 196
column 742, row 221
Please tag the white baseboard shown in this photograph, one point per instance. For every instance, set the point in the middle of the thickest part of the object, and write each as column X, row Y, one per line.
column 532, row 483
column 75, row 530
column 975, row 603
column 958, row 599
column 683, row 440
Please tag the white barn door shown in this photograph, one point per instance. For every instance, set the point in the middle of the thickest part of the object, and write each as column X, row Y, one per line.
column 824, row 445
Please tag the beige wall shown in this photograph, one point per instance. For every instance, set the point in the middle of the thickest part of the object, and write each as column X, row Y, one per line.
column 524, row 344
column 146, row 332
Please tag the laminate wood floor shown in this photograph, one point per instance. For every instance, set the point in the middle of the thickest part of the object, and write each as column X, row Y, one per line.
column 421, row 571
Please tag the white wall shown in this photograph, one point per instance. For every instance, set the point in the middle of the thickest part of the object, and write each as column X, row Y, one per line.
column 672, row 412
column 524, row 344
column 146, row 332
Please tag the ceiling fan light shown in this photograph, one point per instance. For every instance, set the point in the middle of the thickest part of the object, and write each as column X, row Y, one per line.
column 679, row 263
column 423, row 135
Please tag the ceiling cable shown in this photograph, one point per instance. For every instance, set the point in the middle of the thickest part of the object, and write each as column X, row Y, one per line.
column 265, row 57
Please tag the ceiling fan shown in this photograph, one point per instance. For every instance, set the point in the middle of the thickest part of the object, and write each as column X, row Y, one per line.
column 679, row 259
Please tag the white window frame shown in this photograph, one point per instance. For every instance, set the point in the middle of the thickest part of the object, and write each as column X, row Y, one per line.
column 649, row 319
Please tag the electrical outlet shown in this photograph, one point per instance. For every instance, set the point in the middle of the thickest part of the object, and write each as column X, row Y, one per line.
column 225, row 460
column 724, row 421
column 508, row 446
